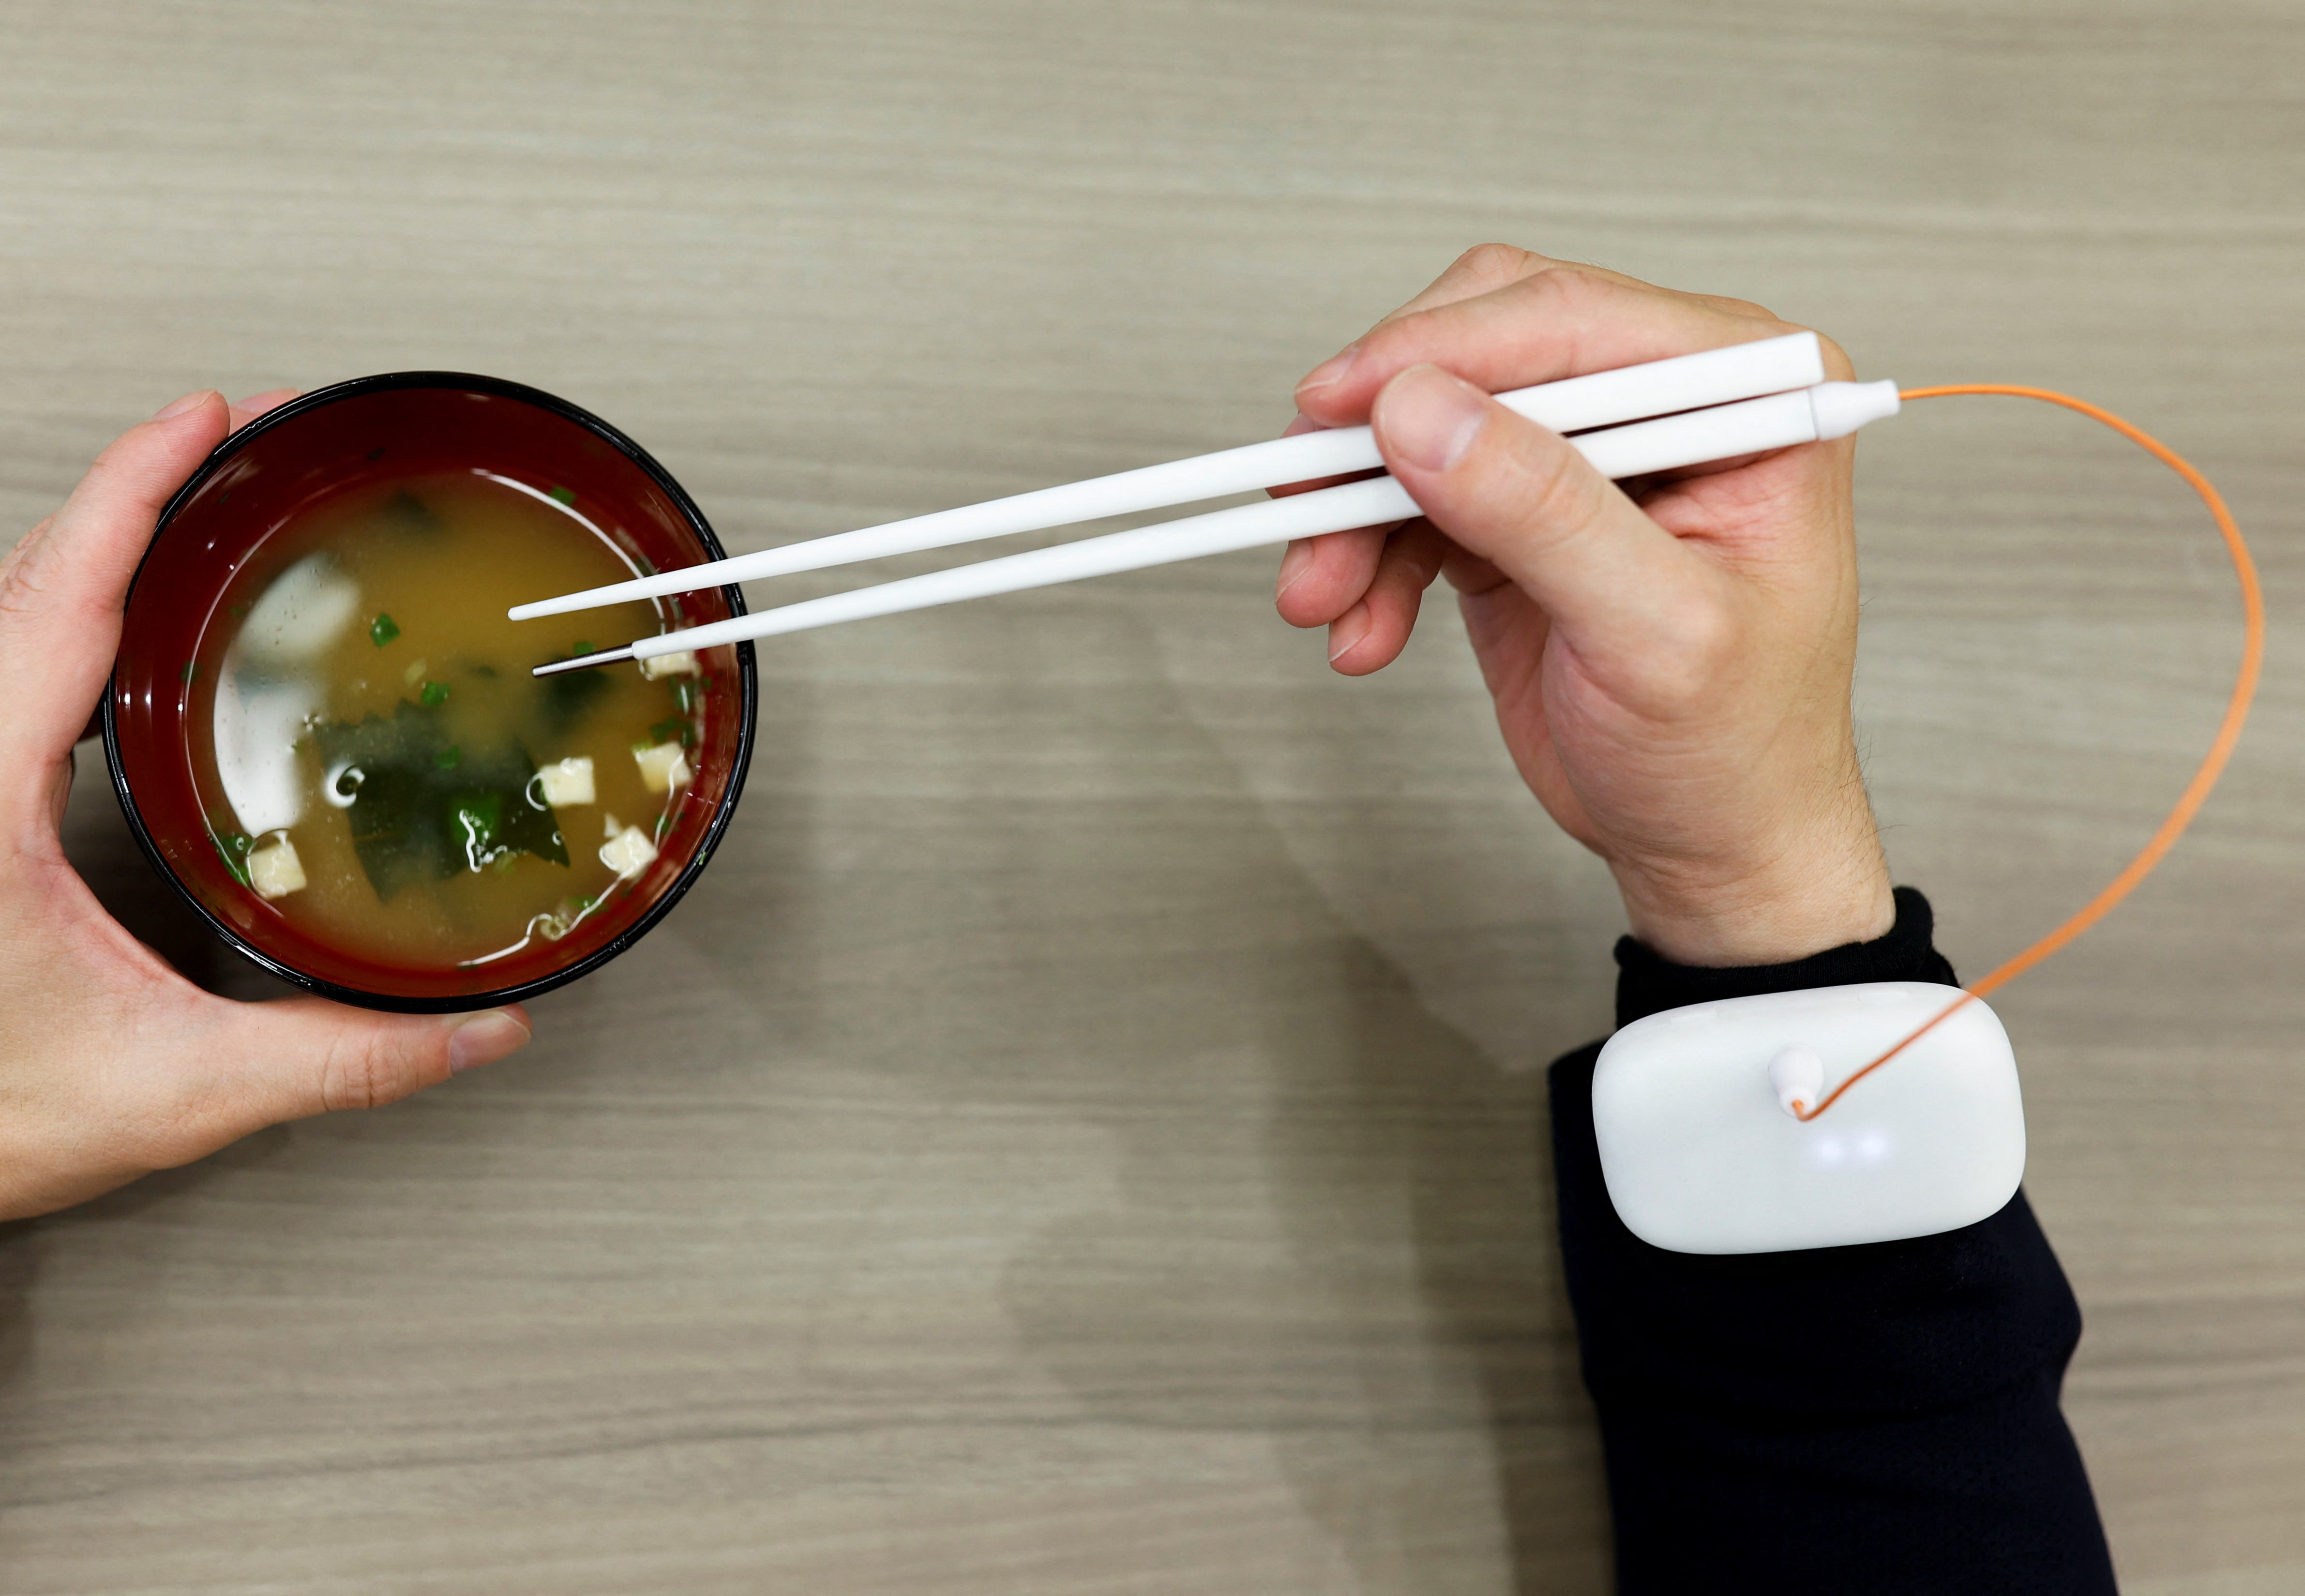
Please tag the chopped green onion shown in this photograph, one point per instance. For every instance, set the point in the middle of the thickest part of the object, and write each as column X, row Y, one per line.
column 563, row 496
column 383, row 630
column 189, row 672
column 684, row 695
column 435, row 694
column 233, row 848
column 576, row 648
column 449, row 758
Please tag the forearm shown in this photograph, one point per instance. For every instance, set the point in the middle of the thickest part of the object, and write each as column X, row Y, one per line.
column 1878, row 1419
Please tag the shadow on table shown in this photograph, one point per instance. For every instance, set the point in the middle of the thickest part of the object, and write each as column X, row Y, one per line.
column 1333, row 1238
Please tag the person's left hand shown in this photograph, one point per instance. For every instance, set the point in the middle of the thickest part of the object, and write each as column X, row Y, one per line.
column 112, row 1064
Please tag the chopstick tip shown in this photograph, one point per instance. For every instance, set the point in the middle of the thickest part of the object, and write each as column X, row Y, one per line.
column 583, row 661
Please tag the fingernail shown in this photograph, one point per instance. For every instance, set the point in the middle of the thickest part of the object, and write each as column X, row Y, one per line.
column 1430, row 417
column 1329, row 371
column 188, row 402
column 1299, row 424
column 1293, row 565
column 484, row 1039
column 1345, row 631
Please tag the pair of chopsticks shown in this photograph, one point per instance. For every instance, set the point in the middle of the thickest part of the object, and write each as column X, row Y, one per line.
column 1714, row 405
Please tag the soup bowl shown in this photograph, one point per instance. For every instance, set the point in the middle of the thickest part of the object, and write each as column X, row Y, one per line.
column 315, row 450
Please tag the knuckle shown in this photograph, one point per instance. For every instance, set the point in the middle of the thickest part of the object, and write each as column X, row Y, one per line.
column 1569, row 286
column 1566, row 296
column 1729, row 304
column 1837, row 363
column 1494, row 262
column 1482, row 269
column 29, row 573
column 1561, row 495
column 362, row 1073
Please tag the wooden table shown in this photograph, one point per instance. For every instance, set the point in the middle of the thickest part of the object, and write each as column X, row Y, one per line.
column 1086, row 1131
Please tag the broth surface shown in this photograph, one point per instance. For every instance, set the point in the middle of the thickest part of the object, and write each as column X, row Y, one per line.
column 371, row 705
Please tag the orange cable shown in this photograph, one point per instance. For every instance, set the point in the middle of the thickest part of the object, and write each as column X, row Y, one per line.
column 2213, row 763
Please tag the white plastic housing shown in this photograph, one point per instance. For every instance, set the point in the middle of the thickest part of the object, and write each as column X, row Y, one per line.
column 1700, row 1155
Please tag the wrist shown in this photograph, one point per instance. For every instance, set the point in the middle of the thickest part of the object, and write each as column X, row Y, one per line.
column 1795, row 902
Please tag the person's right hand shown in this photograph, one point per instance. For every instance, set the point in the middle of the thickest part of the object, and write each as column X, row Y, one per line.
column 1671, row 658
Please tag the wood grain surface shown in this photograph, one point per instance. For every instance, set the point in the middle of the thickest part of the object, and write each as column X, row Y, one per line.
column 1086, row 1131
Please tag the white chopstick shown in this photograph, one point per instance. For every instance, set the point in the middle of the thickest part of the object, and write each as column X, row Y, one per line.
column 1724, row 432
column 1573, row 404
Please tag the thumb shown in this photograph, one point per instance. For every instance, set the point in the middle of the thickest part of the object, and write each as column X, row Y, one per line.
column 61, row 588
column 301, row 1057
column 1519, row 495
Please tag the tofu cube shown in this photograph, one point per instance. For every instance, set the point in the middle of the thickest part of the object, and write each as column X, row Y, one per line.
column 566, row 783
column 275, row 870
column 664, row 768
column 629, row 852
column 682, row 664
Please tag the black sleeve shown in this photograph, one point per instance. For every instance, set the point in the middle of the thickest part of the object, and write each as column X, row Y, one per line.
column 1878, row 1419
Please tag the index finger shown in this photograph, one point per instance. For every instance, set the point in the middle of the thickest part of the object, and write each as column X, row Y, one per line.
column 1557, row 321
column 245, row 410
column 1482, row 269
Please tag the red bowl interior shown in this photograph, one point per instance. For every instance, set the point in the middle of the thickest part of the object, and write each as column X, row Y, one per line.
column 314, row 449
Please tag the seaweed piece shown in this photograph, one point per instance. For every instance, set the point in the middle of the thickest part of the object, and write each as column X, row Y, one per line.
column 492, row 826
column 408, row 514
column 233, row 847
column 425, row 809
column 564, row 700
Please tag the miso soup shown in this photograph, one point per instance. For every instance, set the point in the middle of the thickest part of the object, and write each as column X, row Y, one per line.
column 381, row 769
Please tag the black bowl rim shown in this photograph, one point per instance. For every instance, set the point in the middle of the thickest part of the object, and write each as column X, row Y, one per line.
column 395, row 1003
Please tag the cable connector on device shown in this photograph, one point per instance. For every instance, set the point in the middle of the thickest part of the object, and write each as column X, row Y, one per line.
column 1797, row 1075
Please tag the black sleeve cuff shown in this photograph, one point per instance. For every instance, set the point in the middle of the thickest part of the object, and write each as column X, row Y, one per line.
column 1877, row 1417
column 1649, row 983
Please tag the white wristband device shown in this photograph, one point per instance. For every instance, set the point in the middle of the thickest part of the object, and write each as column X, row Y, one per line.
column 1703, row 1150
